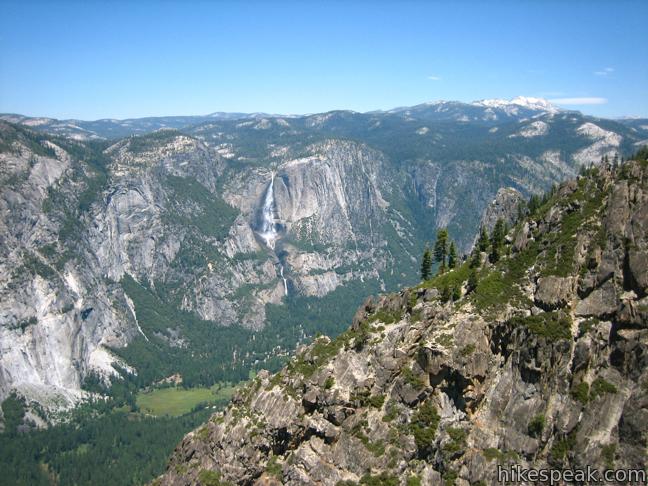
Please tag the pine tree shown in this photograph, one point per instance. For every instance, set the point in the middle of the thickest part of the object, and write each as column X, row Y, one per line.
column 475, row 259
column 521, row 211
column 446, row 293
column 456, row 292
column 441, row 248
column 452, row 256
column 497, row 241
column 426, row 264
column 472, row 280
column 483, row 242
column 534, row 203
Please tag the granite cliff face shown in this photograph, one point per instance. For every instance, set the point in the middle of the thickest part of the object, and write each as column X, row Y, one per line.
column 172, row 216
column 540, row 361
column 97, row 234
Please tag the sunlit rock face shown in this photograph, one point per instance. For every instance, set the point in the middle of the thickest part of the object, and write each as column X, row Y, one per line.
column 549, row 372
column 234, row 213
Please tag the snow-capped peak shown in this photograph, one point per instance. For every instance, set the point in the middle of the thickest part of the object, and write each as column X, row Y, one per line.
column 531, row 103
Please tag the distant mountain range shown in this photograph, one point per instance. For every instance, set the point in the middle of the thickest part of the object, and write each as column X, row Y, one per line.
column 489, row 110
column 136, row 243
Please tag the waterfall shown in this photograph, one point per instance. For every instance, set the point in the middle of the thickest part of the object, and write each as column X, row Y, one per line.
column 284, row 280
column 269, row 227
column 268, row 230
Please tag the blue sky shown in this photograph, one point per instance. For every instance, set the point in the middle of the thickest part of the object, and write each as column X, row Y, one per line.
column 129, row 59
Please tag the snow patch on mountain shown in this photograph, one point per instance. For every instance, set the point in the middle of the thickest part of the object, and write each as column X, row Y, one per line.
column 510, row 106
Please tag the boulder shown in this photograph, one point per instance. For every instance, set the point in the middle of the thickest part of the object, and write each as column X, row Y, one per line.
column 553, row 292
column 601, row 302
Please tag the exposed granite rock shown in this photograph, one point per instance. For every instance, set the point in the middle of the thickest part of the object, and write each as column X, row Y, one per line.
column 504, row 206
column 554, row 292
column 449, row 391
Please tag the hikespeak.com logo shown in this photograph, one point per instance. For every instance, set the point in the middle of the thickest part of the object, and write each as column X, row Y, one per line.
column 588, row 475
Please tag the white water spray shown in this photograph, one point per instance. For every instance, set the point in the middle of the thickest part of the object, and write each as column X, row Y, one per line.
column 269, row 230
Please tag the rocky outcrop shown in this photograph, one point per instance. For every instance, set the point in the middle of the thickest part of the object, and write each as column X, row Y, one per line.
column 554, row 292
column 58, row 315
column 505, row 206
column 541, row 364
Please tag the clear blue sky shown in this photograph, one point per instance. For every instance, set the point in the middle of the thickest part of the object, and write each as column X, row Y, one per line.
column 129, row 59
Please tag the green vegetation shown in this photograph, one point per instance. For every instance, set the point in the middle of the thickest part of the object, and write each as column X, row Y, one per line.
column 499, row 286
column 382, row 479
column 213, row 345
column 600, row 387
column 493, row 454
column 585, row 393
column 449, row 477
column 376, row 448
column 273, row 468
column 365, row 399
column 320, row 353
column 641, row 155
column 441, row 248
column 376, row 401
column 608, row 453
column 423, row 427
column 211, row 478
column 391, row 412
column 562, row 447
column 497, row 241
column 483, row 241
column 452, row 255
column 581, row 392
column 550, row 325
column 558, row 258
column 329, row 383
column 13, row 410
column 25, row 323
column 33, row 264
column 412, row 379
column 178, row 401
column 386, row 316
column 413, row 480
column 143, row 143
column 457, row 441
column 536, row 425
column 34, row 141
column 426, row 264
column 99, row 445
column 214, row 216
column 449, row 283
column 467, row 350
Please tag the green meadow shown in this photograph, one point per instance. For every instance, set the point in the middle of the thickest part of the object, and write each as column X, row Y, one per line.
column 178, row 401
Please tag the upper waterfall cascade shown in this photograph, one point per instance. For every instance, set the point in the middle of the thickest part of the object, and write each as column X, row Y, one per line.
column 269, row 231
column 269, row 227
